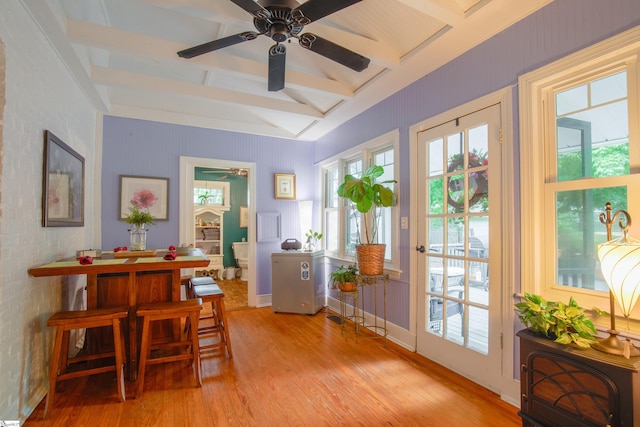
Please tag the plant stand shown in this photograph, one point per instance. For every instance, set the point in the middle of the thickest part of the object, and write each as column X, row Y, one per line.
column 349, row 312
column 373, row 282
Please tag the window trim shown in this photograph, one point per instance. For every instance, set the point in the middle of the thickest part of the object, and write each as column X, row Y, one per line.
column 615, row 53
column 364, row 151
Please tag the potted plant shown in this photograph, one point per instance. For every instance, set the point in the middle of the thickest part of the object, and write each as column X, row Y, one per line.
column 312, row 239
column 345, row 278
column 137, row 233
column 205, row 197
column 368, row 197
column 564, row 323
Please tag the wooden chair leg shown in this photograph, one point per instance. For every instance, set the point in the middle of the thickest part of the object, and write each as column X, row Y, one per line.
column 144, row 354
column 225, row 327
column 53, row 370
column 119, row 350
column 64, row 356
column 195, row 347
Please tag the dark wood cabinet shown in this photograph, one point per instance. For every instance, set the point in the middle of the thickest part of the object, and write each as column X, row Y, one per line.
column 566, row 386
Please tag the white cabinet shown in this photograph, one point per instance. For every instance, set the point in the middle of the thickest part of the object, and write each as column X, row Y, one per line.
column 208, row 236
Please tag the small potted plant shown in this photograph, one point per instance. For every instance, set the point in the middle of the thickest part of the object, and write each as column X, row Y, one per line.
column 563, row 323
column 345, row 278
column 205, row 197
column 312, row 239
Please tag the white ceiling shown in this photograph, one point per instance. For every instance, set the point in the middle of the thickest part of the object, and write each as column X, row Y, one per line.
column 123, row 54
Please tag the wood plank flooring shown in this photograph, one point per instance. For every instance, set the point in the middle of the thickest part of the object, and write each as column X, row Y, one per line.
column 287, row 370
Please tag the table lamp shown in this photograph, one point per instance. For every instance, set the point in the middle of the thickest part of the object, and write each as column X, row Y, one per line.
column 620, row 266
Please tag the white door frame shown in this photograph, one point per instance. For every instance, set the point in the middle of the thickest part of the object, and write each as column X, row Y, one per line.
column 187, row 221
column 510, row 389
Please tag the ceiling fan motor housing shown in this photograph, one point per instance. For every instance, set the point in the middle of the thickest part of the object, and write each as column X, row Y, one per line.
column 280, row 26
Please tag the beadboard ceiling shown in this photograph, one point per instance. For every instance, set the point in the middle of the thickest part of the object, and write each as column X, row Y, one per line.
column 123, row 53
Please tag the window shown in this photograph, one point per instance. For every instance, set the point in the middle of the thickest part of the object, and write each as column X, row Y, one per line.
column 341, row 221
column 212, row 193
column 579, row 150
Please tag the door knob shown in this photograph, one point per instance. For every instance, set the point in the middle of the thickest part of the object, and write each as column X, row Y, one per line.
column 420, row 248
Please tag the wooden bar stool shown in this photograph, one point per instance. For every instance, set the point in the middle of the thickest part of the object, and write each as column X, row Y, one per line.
column 189, row 309
column 212, row 293
column 65, row 321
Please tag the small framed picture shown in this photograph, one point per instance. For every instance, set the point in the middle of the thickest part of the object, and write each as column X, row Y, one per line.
column 147, row 193
column 63, row 184
column 244, row 216
column 285, row 186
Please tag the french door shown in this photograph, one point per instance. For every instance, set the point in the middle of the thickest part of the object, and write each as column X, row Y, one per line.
column 459, row 318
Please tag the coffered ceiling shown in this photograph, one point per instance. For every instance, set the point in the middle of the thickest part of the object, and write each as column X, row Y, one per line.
column 123, row 53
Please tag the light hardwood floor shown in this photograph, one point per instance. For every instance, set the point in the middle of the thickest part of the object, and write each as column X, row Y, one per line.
column 287, row 370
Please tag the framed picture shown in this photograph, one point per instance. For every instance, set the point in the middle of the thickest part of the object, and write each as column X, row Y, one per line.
column 147, row 193
column 62, row 184
column 285, row 185
column 244, row 217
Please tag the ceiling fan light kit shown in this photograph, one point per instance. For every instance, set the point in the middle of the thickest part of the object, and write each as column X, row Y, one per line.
column 282, row 20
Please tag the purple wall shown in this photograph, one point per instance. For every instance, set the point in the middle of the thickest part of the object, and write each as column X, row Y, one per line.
column 144, row 148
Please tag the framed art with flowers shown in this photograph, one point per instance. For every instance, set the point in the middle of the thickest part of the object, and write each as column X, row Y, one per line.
column 145, row 193
column 62, row 184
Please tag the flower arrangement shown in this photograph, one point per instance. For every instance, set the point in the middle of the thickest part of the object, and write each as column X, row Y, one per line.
column 138, row 217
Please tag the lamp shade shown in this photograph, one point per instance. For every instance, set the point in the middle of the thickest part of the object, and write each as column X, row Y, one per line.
column 620, row 266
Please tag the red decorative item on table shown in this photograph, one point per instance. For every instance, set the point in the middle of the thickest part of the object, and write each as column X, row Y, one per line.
column 86, row 260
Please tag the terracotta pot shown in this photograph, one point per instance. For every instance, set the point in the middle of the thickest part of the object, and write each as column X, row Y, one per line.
column 348, row 286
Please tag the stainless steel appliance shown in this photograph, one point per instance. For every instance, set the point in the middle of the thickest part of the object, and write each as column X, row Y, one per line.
column 297, row 282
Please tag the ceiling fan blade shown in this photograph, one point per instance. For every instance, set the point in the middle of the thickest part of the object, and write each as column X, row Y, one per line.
column 313, row 10
column 217, row 44
column 253, row 8
column 277, row 59
column 335, row 52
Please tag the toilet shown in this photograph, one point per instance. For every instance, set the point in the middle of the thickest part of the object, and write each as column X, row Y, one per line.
column 241, row 255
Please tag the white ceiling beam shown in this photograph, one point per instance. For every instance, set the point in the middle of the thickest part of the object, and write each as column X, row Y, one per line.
column 218, row 11
column 111, row 77
column 446, row 11
column 163, row 116
column 122, row 41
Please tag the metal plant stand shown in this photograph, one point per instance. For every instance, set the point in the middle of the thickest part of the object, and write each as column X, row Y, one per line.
column 373, row 282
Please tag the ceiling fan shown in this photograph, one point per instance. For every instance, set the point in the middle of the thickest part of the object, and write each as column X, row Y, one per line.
column 230, row 172
column 281, row 20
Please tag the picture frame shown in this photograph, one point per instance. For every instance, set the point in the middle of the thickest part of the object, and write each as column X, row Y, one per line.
column 149, row 192
column 62, row 184
column 244, row 217
column 285, row 186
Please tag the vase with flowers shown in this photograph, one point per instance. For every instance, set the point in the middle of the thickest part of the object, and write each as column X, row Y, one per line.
column 139, row 217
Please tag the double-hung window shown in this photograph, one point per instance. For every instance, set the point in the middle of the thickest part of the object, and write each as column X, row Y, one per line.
column 580, row 149
column 341, row 227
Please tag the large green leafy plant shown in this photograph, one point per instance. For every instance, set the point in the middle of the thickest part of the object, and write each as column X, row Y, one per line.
column 565, row 323
column 368, row 197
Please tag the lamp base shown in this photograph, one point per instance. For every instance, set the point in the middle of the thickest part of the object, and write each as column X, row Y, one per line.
column 614, row 345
